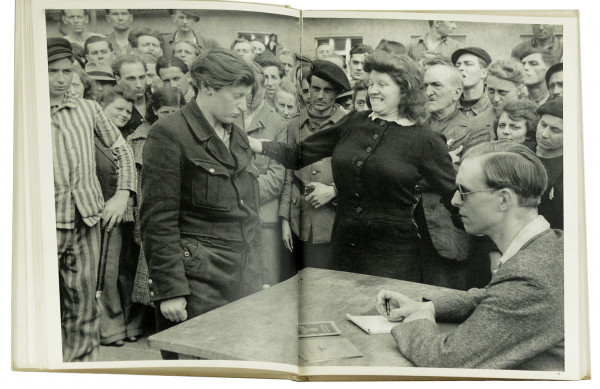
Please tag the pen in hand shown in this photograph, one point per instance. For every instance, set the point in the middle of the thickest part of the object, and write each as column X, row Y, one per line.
column 387, row 307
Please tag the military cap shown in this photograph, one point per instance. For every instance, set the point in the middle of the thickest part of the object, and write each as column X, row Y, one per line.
column 330, row 72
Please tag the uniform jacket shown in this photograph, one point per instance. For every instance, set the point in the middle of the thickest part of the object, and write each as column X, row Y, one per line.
column 193, row 187
column 267, row 124
column 515, row 322
column 293, row 203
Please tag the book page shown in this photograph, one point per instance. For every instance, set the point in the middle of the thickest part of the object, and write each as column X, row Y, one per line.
column 341, row 30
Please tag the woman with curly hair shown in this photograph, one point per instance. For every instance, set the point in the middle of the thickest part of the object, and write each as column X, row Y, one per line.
column 378, row 159
column 518, row 122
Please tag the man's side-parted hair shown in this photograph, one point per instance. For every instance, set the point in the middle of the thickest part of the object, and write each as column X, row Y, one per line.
column 268, row 59
column 508, row 164
column 219, row 68
column 128, row 58
column 405, row 73
column 94, row 39
column 168, row 62
column 546, row 55
column 507, row 69
column 361, row 48
column 134, row 35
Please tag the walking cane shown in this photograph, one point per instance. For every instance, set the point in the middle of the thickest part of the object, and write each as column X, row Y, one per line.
column 104, row 239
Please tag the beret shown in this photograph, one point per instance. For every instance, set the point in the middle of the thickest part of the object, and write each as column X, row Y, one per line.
column 100, row 71
column 476, row 51
column 330, row 72
column 557, row 67
column 552, row 107
column 59, row 48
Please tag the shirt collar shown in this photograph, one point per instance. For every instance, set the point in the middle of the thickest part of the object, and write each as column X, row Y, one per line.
column 529, row 232
column 404, row 122
column 480, row 106
column 69, row 101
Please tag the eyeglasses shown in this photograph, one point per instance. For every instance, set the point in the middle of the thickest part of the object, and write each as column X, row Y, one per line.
column 463, row 194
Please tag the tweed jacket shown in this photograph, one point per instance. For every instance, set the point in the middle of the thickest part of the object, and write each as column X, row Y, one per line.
column 267, row 124
column 515, row 322
column 293, row 203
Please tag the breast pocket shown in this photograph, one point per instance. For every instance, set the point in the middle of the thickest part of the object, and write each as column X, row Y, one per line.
column 211, row 185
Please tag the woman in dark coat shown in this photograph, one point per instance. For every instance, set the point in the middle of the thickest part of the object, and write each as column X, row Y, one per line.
column 378, row 159
column 199, row 211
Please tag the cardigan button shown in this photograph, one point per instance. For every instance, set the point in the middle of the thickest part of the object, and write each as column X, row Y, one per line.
column 149, row 281
column 382, row 123
column 359, row 163
column 151, row 293
column 369, row 149
column 314, row 172
column 376, row 136
column 358, row 209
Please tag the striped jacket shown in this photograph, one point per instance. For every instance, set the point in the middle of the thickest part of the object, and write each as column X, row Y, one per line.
column 76, row 185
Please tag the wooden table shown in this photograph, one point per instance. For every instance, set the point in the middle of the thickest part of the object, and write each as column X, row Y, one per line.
column 263, row 327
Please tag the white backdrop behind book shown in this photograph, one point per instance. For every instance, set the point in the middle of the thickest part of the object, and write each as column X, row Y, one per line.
column 589, row 56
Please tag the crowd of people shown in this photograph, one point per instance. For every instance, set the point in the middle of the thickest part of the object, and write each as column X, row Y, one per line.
column 216, row 172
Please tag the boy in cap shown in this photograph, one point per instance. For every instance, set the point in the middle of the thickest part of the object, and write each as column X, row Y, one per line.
column 79, row 201
column 310, row 190
column 549, row 136
column 474, row 103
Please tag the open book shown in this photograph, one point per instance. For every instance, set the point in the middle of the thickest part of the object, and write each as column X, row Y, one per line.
column 258, row 335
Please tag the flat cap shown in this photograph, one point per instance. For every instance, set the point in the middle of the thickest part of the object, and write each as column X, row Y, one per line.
column 59, row 48
column 557, row 67
column 100, row 71
column 330, row 72
column 476, row 51
column 188, row 12
column 552, row 107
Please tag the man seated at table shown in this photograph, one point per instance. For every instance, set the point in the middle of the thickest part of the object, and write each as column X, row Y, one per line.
column 517, row 320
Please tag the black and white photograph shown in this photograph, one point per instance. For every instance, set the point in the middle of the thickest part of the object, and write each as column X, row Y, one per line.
column 303, row 193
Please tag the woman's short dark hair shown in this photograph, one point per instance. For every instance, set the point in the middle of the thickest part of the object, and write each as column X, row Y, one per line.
column 219, row 68
column 113, row 94
column 404, row 71
column 523, row 109
column 167, row 95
